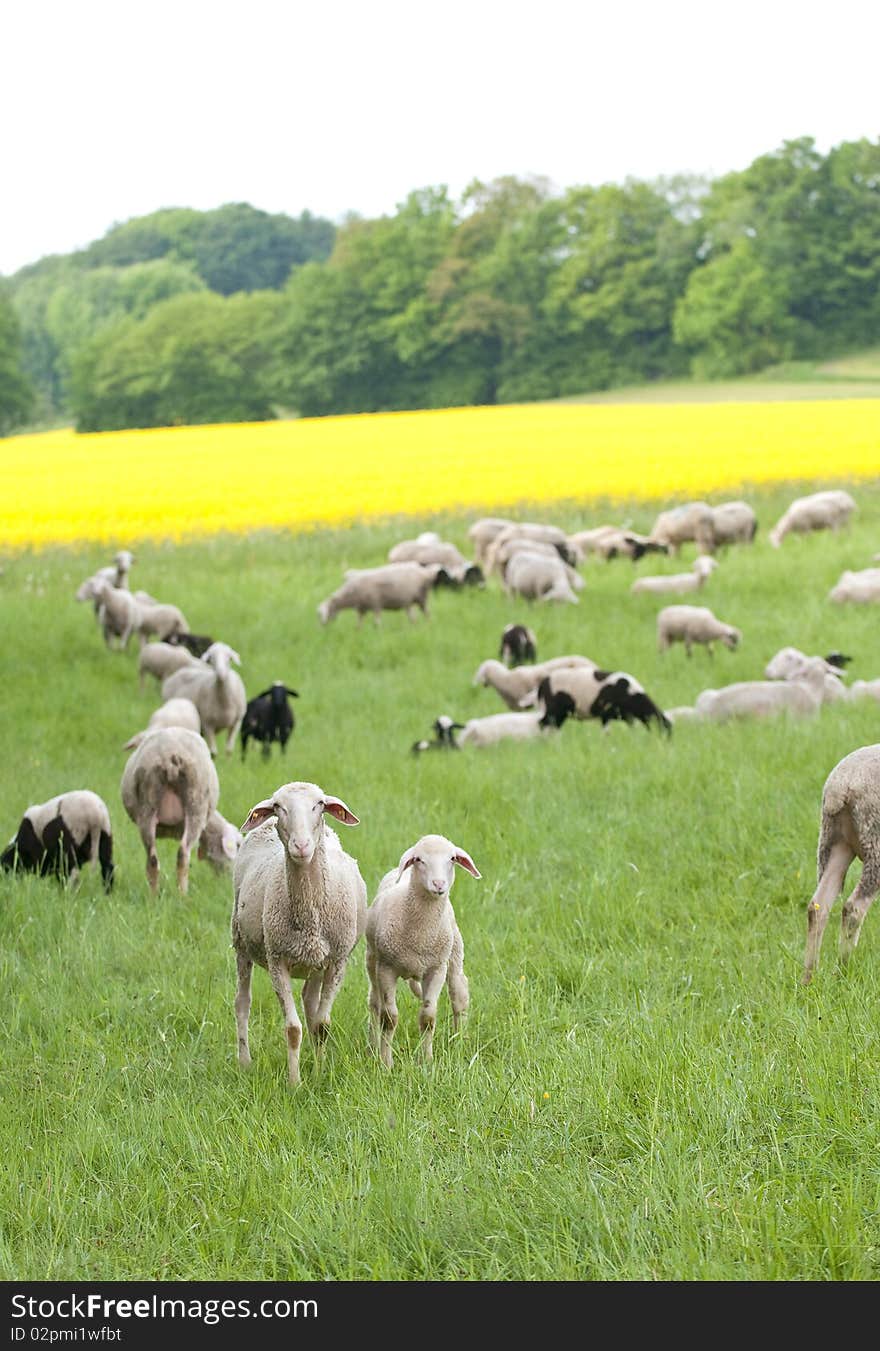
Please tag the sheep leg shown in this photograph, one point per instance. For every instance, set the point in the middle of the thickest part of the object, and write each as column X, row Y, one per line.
column 377, row 618
column 231, row 735
column 311, row 994
column 432, row 984
column 857, row 906
column 687, row 647
column 387, row 983
column 148, row 835
column 243, row 1008
column 834, row 870
column 373, row 1004
column 211, row 738
column 411, row 613
column 329, row 990
column 280, row 978
column 187, row 844
column 457, row 982
column 416, row 987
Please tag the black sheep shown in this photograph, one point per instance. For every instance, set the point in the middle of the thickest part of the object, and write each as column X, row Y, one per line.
column 269, row 717
column 196, row 643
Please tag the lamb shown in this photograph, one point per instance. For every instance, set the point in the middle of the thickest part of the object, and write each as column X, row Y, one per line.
column 860, row 588
column 396, row 586
column 518, row 645
column 175, row 713
column 790, row 664
column 444, row 736
column 677, row 583
column 733, row 523
column 162, row 660
column 828, row 510
column 170, row 788
column 850, row 828
column 300, row 907
column 537, row 577
column 196, row 644
column 62, row 835
column 691, row 624
column 764, row 698
column 269, row 717
column 612, row 541
column 412, row 935
column 514, row 684
column 607, row 695
column 552, row 713
column 216, row 690
column 693, row 521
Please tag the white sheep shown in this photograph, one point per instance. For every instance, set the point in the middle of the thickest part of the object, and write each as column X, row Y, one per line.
column 850, row 828
column 677, row 583
column 539, row 577
column 859, row 588
column 865, row 689
column 396, row 586
column 170, row 788
column 691, row 522
column 613, row 541
column 428, row 552
column 790, row 663
column 216, row 690
column 300, row 907
column 513, row 684
column 158, row 620
column 61, row 835
column 162, row 660
column 691, row 624
column 764, row 698
column 828, row 510
column 174, row 713
column 412, row 935
column 549, row 715
column 118, row 612
column 733, row 523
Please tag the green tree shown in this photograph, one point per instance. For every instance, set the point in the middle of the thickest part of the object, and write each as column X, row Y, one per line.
column 16, row 395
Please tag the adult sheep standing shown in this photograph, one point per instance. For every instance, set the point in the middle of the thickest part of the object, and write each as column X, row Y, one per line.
column 300, row 907
column 216, row 690
column 828, row 510
column 395, row 586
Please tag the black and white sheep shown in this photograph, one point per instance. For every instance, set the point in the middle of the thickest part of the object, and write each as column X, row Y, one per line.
column 518, row 645
column 444, row 738
column 60, row 836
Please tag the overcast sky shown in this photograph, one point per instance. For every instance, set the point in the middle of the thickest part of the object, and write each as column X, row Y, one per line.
column 112, row 109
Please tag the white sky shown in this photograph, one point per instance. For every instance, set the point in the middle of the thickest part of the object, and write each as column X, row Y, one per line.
column 111, row 109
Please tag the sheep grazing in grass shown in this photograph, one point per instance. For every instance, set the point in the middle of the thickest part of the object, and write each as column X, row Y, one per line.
column 453, row 568
column 692, row 522
column 553, row 711
column 60, row 836
column 216, row 690
column 444, row 736
column 196, row 644
column 522, row 533
column 828, row 510
column 518, row 645
column 850, row 828
column 690, row 624
column 612, row 541
column 483, row 532
column 677, row 583
column 412, row 935
column 162, row 660
column 765, row 698
column 170, row 788
column 269, row 717
column 174, row 713
column 472, row 576
column 733, row 523
column 610, row 696
column 396, row 586
column 514, row 684
column 790, row 664
column 857, row 588
column 542, row 578
column 300, row 907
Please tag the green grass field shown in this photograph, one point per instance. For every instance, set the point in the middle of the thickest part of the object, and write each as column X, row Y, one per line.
column 644, row 1089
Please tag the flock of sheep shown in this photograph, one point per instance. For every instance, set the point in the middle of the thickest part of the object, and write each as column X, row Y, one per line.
column 300, row 903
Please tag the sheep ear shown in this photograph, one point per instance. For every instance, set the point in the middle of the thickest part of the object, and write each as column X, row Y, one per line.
column 233, row 656
column 258, row 814
column 406, row 861
column 336, row 807
column 465, row 861
column 231, row 841
column 133, row 742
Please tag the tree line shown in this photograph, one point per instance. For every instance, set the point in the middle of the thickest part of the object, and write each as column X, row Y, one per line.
column 513, row 293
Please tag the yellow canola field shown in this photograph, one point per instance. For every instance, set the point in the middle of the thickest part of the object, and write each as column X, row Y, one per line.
column 176, row 482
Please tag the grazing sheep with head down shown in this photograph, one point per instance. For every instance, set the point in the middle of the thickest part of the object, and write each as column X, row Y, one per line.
column 610, row 696
column 677, row 583
column 62, row 835
column 790, row 664
column 733, row 523
column 216, row 690
column 850, row 828
column 693, row 521
column 518, row 645
column 612, row 541
column 828, row 510
column 396, row 586
column 540, row 577
column 300, row 907
column 412, row 935
column 690, row 624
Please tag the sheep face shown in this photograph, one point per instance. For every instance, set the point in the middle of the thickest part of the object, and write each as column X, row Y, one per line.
column 434, row 859
column 732, row 639
column 324, row 613
column 220, row 656
column 220, row 842
column 299, row 810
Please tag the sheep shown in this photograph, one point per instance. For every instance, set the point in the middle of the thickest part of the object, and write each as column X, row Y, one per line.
column 483, row 532
column 174, row 713
column 62, row 835
column 691, row 624
column 850, row 828
column 518, row 645
column 427, row 552
column 118, row 612
column 514, row 684
column 396, row 586
column 865, row 689
column 790, row 664
column 216, row 690
column 552, row 713
column 162, row 660
column 444, row 736
column 607, row 695
column 693, row 521
column 412, row 935
column 170, row 788
column 763, row 698
column 196, row 644
column 300, row 907
column 733, row 523
column 116, row 575
column 507, row 547
column 156, row 619
column 612, row 541
column 677, row 583
column 838, row 659
column 269, row 717
column 537, row 577
column 861, row 588
column 472, row 576
column 828, row 510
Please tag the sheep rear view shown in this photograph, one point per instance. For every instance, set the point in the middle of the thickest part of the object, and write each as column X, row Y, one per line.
column 60, row 836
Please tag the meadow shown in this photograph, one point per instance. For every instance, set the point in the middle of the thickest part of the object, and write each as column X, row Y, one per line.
column 643, row 1090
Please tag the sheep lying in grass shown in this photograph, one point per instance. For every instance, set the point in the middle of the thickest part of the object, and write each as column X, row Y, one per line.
column 677, row 583
column 850, row 828
column 693, row 521
column 300, row 907
column 733, row 523
column 550, row 715
column 216, row 690
column 690, row 624
column 412, row 935
column 764, row 698
column 170, row 788
column 865, row 689
column 514, row 684
column 162, row 660
column 518, row 645
column 60, row 836
column 444, row 736
column 858, row 588
column 174, row 713
column 790, row 664
column 396, row 586
column 828, row 510
column 610, row 696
